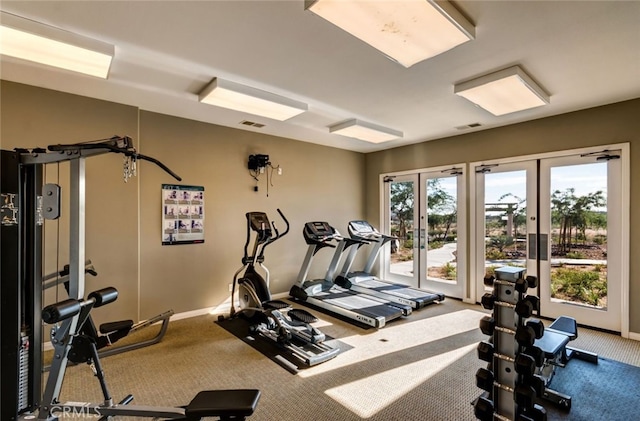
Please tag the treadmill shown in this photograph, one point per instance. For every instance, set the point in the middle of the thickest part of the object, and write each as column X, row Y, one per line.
column 324, row 294
column 366, row 283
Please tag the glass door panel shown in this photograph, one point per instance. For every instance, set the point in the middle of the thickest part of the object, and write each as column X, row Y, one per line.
column 442, row 219
column 505, row 219
column 581, row 277
column 426, row 211
column 402, row 262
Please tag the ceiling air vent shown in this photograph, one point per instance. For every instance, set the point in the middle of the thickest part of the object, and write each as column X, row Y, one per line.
column 469, row 126
column 252, row 123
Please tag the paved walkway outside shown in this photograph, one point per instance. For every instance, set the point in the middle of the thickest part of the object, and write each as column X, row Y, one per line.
column 438, row 257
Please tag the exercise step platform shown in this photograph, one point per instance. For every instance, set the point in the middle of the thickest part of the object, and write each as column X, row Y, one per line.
column 228, row 405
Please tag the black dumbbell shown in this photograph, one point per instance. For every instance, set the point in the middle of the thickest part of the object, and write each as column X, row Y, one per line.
column 523, row 284
column 488, row 280
column 536, row 353
column 524, row 364
column 538, row 384
column 537, row 327
column 484, row 379
column 489, row 301
column 524, row 335
column 485, row 351
column 535, row 301
column 525, row 307
column 483, row 409
column 532, row 281
column 524, row 395
column 535, row 413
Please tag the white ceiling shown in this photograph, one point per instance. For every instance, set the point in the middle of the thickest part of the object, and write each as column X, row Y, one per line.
column 583, row 53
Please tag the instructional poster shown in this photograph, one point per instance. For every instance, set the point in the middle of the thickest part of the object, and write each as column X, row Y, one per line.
column 182, row 214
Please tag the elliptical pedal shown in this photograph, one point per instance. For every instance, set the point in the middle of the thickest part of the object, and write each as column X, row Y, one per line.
column 302, row 315
column 275, row 305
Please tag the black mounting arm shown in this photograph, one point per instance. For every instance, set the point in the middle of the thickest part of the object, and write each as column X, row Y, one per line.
column 115, row 144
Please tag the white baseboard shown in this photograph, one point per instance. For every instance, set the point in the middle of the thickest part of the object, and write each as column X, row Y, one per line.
column 634, row 336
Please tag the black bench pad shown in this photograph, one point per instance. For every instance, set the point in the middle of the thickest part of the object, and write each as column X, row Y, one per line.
column 565, row 325
column 109, row 327
column 223, row 403
column 552, row 343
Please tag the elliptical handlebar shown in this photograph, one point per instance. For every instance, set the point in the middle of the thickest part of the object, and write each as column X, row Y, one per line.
column 278, row 235
column 285, row 221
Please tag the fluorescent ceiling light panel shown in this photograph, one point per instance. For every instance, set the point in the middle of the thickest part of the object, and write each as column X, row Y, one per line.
column 365, row 131
column 226, row 94
column 503, row 92
column 29, row 40
column 407, row 31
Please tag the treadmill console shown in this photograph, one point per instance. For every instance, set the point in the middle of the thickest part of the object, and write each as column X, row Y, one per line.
column 318, row 232
column 362, row 230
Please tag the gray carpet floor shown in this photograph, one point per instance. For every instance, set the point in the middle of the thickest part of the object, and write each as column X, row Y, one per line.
column 418, row 368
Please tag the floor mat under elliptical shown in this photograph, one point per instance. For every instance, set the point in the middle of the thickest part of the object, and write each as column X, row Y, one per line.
column 240, row 329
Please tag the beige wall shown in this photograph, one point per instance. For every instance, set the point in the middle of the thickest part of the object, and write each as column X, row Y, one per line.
column 123, row 221
column 318, row 183
column 32, row 117
column 616, row 123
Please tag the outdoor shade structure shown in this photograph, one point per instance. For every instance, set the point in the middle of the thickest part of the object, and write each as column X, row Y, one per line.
column 238, row 97
column 503, row 92
column 408, row 32
column 33, row 41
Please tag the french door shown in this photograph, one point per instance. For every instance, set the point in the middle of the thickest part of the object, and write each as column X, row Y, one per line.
column 426, row 211
column 505, row 219
column 562, row 219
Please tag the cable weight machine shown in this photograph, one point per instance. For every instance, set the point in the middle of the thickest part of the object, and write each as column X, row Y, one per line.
column 25, row 205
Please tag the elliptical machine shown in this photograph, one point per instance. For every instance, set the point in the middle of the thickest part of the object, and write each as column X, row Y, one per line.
column 272, row 319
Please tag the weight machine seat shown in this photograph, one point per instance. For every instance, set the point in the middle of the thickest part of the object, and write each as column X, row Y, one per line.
column 109, row 327
column 552, row 343
column 557, row 336
column 226, row 404
column 565, row 325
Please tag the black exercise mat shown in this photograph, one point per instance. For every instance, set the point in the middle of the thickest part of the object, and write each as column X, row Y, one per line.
column 240, row 329
column 607, row 391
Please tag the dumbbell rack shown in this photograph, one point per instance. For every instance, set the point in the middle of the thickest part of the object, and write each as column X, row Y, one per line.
column 510, row 394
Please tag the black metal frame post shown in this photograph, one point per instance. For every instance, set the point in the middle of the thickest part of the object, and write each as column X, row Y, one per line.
column 21, row 286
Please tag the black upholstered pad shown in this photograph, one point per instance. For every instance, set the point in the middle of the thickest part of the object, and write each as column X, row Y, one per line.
column 223, row 403
column 552, row 343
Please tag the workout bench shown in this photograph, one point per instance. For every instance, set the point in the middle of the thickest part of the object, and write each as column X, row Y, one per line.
column 556, row 353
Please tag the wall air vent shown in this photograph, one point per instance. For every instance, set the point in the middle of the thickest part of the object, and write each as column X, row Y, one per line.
column 469, row 126
column 252, row 123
